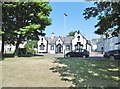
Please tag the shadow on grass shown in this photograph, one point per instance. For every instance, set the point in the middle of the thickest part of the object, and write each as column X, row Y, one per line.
column 88, row 73
column 12, row 55
column 9, row 55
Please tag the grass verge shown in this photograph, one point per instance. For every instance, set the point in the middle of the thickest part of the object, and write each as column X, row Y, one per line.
column 30, row 72
column 88, row 73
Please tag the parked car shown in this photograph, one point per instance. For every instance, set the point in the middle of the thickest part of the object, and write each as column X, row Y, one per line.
column 112, row 54
column 78, row 53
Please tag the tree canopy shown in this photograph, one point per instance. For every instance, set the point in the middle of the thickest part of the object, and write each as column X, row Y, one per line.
column 108, row 15
column 24, row 20
column 72, row 33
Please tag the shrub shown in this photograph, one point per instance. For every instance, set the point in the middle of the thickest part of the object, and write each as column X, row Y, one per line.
column 30, row 45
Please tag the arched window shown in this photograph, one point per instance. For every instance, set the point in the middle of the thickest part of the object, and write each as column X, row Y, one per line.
column 67, row 47
column 78, row 38
column 42, row 39
column 42, row 46
column 78, row 45
column 52, row 47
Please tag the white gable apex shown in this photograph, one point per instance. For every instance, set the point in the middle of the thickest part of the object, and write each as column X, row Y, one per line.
column 76, row 33
column 42, row 40
column 59, row 41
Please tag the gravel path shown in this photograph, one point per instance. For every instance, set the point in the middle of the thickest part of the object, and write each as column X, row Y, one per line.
column 96, row 54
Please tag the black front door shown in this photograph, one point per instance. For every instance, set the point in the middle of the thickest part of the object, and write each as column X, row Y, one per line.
column 59, row 48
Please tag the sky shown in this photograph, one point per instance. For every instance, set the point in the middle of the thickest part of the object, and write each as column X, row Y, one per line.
column 74, row 20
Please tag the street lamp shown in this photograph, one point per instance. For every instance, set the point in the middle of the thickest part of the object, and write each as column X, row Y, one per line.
column 65, row 15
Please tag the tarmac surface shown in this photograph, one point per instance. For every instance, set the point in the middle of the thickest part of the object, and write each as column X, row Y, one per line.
column 93, row 55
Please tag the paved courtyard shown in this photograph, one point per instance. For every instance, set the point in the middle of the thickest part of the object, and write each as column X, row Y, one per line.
column 95, row 55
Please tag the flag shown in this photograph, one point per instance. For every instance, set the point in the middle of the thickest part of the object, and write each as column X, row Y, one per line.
column 65, row 14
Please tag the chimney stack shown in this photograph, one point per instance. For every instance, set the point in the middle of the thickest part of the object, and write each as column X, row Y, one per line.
column 53, row 35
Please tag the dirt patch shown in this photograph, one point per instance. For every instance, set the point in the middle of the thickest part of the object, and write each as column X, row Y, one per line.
column 27, row 72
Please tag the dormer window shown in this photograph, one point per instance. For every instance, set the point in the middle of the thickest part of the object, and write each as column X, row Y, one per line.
column 78, row 38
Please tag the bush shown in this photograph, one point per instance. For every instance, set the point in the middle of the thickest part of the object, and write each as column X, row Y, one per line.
column 30, row 45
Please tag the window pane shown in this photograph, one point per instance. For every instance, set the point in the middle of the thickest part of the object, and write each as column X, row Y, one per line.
column 67, row 47
column 52, row 47
column 42, row 39
column 78, row 38
column 42, row 47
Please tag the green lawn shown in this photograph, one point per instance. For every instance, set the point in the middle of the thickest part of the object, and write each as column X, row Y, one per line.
column 47, row 71
column 88, row 73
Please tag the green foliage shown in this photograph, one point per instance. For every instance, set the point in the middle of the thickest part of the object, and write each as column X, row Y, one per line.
column 24, row 20
column 29, row 28
column 108, row 15
column 30, row 45
column 72, row 33
column 1, row 32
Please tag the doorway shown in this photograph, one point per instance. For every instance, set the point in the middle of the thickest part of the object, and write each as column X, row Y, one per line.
column 59, row 48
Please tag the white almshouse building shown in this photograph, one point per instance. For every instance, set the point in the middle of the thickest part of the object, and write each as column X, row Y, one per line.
column 106, row 44
column 55, row 44
column 94, row 43
column 11, row 48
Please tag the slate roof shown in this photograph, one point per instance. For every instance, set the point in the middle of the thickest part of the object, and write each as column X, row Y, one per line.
column 51, row 41
column 66, row 40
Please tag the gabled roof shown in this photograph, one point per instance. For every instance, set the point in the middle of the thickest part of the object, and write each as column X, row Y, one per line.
column 66, row 40
column 51, row 41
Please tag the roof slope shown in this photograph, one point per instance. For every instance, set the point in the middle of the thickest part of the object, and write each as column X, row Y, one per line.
column 51, row 41
column 66, row 40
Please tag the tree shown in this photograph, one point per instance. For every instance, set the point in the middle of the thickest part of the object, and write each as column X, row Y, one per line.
column 30, row 45
column 23, row 21
column 72, row 33
column 108, row 15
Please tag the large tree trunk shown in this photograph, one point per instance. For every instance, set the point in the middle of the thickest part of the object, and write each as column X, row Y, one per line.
column 2, row 48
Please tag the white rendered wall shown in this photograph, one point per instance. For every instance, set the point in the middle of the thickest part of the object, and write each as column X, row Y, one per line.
column 52, row 51
column 44, row 42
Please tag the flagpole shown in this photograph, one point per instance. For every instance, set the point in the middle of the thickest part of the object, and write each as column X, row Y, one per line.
column 65, row 15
